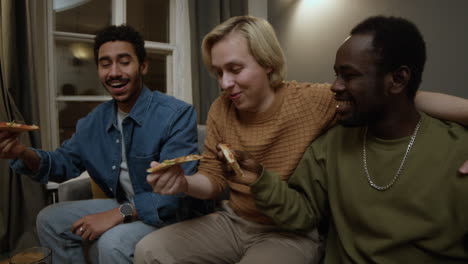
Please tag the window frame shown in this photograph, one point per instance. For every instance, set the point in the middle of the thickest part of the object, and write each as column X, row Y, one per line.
column 178, row 70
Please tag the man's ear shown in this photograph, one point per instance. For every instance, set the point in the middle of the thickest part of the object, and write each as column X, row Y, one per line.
column 144, row 67
column 400, row 78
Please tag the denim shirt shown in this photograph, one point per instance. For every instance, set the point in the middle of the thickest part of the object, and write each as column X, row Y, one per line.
column 158, row 127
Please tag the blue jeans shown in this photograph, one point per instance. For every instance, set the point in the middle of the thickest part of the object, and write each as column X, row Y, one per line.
column 116, row 245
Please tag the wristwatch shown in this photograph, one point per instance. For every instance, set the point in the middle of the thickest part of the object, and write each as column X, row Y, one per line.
column 126, row 210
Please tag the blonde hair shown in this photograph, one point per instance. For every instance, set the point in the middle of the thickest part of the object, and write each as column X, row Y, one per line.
column 261, row 40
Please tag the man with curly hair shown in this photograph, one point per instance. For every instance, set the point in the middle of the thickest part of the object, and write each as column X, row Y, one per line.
column 115, row 143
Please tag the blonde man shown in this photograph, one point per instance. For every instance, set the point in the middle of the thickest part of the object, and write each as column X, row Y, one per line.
column 259, row 113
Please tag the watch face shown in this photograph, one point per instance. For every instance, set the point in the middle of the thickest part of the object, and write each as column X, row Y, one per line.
column 126, row 209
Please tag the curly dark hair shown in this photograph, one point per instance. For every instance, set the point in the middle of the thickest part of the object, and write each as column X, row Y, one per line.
column 121, row 33
column 397, row 42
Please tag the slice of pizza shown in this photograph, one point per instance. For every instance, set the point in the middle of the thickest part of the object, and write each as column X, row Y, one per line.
column 15, row 127
column 226, row 149
column 171, row 162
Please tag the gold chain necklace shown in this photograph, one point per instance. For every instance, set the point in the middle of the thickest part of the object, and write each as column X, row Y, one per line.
column 395, row 178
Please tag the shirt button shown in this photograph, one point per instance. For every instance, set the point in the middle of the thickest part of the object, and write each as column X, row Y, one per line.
column 117, row 141
column 113, row 167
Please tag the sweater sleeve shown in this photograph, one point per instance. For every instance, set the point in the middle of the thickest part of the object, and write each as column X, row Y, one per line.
column 299, row 204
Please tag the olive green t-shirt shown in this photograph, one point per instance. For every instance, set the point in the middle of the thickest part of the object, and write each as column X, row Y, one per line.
column 422, row 218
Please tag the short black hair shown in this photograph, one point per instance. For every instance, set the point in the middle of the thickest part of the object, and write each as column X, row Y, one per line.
column 397, row 42
column 121, row 33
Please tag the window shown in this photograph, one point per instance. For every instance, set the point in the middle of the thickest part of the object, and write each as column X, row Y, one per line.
column 74, row 86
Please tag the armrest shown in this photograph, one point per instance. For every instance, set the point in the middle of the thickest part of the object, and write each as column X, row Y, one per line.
column 75, row 189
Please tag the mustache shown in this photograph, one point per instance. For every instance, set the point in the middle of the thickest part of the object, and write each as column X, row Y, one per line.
column 117, row 79
column 342, row 97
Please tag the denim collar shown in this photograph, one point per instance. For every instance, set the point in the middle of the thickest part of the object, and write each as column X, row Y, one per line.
column 137, row 114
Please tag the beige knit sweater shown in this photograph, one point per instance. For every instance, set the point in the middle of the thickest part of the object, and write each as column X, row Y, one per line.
column 276, row 138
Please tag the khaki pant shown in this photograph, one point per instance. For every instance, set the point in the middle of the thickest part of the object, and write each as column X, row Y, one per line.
column 223, row 237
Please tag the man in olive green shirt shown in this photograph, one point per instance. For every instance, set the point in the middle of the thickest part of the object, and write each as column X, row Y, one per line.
column 386, row 181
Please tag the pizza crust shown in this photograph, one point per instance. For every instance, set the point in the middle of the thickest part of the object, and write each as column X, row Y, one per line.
column 225, row 148
column 171, row 162
column 15, row 127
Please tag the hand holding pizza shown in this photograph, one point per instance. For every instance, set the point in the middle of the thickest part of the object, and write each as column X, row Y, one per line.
column 167, row 179
column 246, row 169
column 10, row 146
column 464, row 168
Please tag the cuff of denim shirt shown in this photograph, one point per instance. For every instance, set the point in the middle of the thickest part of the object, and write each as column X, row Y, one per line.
column 155, row 209
column 41, row 175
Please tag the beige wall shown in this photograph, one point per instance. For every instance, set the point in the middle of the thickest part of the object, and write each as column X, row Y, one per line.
column 311, row 31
